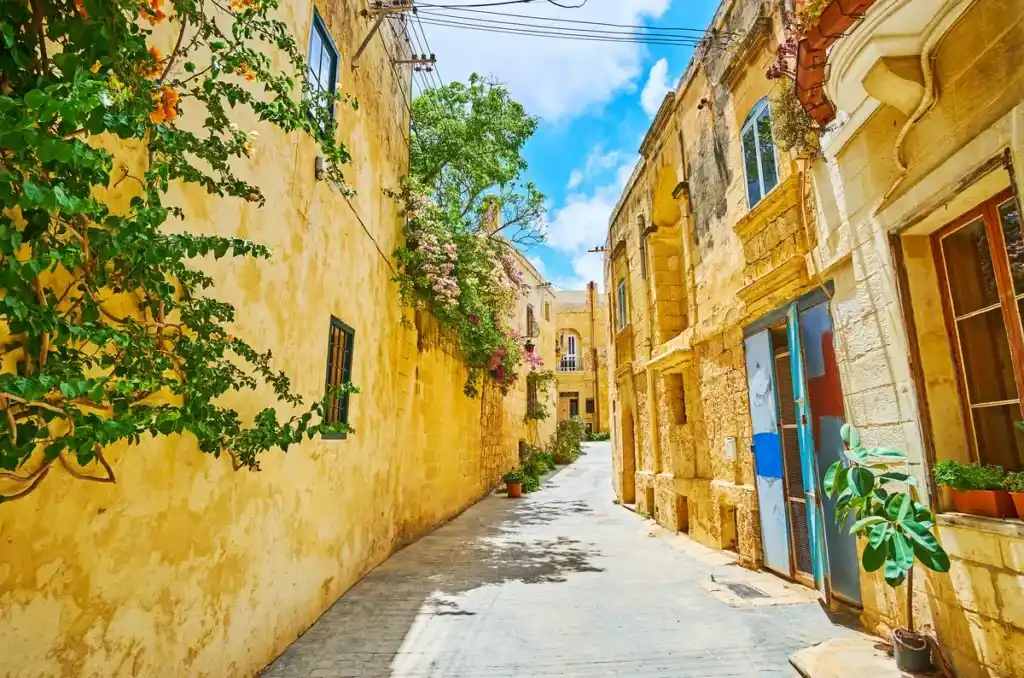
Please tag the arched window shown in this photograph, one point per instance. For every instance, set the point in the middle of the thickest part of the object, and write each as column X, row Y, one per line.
column 571, row 358
column 759, row 165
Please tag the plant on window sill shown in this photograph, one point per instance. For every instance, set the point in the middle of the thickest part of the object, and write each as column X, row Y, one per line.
column 791, row 126
column 111, row 334
column 897, row 527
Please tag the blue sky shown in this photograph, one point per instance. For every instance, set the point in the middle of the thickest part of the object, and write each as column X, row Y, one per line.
column 595, row 101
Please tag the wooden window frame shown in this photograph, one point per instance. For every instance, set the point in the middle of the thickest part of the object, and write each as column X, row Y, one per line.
column 346, row 372
column 622, row 305
column 1008, row 301
column 589, row 406
column 532, row 326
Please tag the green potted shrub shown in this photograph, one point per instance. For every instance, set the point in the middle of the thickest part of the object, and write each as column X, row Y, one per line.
column 514, row 483
column 883, row 505
column 978, row 490
column 1015, row 485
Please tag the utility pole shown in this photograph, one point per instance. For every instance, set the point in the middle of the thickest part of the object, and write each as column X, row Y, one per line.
column 381, row 10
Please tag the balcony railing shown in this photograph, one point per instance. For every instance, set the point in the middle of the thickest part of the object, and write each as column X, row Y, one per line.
column 570, row 363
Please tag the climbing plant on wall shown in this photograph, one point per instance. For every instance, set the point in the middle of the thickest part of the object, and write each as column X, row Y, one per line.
column 466, row 207
column 110, row 331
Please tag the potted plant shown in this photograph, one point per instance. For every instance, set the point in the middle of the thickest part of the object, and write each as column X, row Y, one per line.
column 978, row 490
column 898, row 528
column 1015, row 485
column 514, row 483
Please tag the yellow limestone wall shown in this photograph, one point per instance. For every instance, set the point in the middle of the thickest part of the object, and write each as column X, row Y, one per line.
column 977, row 610
column 185, row 568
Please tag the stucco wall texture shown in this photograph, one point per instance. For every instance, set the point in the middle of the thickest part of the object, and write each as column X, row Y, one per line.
column 185, row 567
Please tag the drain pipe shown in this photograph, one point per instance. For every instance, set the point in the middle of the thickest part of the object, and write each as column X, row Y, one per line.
column 928, row 100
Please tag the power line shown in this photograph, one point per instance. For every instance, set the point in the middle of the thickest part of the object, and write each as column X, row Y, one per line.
column 429, row 50
column 467, row 8
column 685, row 42
column 602, row 32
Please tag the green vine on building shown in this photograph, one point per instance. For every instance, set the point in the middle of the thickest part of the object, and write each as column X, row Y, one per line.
column 110, row 328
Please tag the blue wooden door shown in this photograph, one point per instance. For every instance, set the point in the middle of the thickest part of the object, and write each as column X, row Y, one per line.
column 771, row 496
column 826, row 416
column 806, row 439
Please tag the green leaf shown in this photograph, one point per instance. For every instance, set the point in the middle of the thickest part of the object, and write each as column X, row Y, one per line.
column 856, row 454
column 864, row 523
column 829, row 482
column 849, row 435
column 899, row 477
column 862, row 481
column 7, row 31
column 905, row 506
column 894, row 576
column 937, row 561
column 887, row 453
column 874, row 556
column 921, row 535
column 35, row 98
column 879, row 534
column 902, row 551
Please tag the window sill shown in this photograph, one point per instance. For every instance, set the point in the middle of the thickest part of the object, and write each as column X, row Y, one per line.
column 1006, row 527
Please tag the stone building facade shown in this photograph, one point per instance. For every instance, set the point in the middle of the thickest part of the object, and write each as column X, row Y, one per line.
column 917, row 213
column 184, row 567
column 761, row 298
column 581, row 319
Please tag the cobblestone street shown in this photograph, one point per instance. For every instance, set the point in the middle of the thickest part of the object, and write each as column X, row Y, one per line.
column 561, row 583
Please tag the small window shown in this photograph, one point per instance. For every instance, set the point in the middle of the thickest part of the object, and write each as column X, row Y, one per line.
column 621, row 304
column 547, row 311
column 982, row 258
column 322, row 68
column 759, row 163
column 339, row 370
column 643, row 257
column 531, row 398
column 590, row 405
column 574, row 407
column 532, row 328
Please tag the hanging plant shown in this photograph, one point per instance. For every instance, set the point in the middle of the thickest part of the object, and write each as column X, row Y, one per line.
column 109, row 330
column 792, row 127
column 542, row 381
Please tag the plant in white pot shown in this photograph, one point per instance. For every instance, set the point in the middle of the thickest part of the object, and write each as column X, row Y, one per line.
column 884, row 506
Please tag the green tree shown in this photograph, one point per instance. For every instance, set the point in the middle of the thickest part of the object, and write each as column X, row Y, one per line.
column 466, row 154
column 110, row 330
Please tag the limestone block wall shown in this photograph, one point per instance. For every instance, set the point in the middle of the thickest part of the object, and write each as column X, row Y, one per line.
column 185, row 567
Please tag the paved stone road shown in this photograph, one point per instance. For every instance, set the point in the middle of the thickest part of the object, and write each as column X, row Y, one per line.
column 561, row 583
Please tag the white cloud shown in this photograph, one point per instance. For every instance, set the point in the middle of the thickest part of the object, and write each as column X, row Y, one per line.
column 537, row 264
column 582, row 222
column 575, row 179
column 657, row 86
column 553, row 78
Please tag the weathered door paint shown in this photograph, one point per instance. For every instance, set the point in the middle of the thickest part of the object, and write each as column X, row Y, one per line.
column 803, row 417
column 767, row 453
column 825, row 394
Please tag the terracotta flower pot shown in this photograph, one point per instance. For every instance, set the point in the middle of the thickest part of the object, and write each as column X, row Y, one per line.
column 1018, row 502
column 990, row 503
column 514, row 490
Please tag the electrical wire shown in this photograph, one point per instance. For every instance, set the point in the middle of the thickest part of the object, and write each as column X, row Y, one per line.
column 581, row 32
column 429, row 50
column 467, row 9
column 687, row 42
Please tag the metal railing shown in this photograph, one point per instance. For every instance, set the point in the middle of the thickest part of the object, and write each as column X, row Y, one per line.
column 570, row 363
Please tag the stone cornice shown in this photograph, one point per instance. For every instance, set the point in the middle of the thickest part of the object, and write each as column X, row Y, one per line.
column 790, row 273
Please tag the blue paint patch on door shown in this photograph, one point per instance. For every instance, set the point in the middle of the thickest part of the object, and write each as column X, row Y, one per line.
column 767, row 455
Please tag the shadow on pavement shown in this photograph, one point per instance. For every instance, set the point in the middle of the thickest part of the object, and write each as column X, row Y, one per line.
column 361, row 633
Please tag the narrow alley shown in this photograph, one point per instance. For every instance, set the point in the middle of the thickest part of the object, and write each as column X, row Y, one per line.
column 560, row 583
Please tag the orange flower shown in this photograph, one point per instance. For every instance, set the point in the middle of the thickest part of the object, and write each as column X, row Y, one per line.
column 241, row 4
column 246, row 72
column 96, row 68
column 153, row 70
column 80, row 7
column 165, row 106
column 155, row 15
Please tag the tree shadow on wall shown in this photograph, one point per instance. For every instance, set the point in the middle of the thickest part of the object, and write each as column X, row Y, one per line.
column 362, row 633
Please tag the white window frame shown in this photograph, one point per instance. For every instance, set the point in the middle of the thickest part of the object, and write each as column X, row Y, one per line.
column 751, row 123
